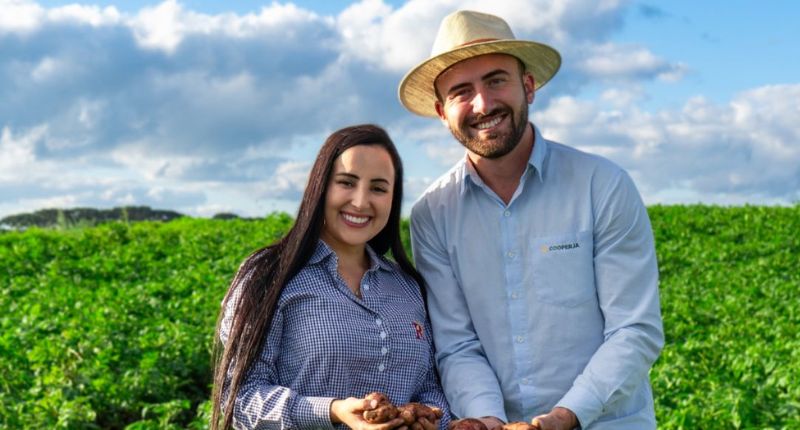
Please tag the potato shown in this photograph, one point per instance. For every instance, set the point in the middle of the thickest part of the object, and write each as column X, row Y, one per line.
column 412, row 412
column 385, row 411
column 518, row 425
column 467, row 424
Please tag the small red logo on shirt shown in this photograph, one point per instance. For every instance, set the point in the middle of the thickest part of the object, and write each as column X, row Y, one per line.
column 419, row 330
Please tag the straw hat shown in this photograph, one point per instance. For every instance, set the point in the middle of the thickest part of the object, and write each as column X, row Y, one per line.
column 466, row 34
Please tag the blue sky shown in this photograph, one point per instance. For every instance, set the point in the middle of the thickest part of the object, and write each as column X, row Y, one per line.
column 207, row 106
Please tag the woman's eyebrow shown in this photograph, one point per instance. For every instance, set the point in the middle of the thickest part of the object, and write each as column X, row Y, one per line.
column 349, row 175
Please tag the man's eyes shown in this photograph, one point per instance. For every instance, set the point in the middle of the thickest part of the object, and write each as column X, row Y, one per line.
column 458, row 94
column 496, row 81
column 463, row 93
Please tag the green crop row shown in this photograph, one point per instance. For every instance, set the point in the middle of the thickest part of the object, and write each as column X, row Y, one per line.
column 730, row 298
column 103, row 327
column 111, row 327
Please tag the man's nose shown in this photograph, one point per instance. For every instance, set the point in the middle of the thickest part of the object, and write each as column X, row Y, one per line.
column 482, row 102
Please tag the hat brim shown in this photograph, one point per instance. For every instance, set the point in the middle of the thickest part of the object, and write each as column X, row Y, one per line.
column 417, row 92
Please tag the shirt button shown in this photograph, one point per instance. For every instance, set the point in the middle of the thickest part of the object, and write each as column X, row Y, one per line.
column 511, row 254
column 381, row 368
column 366, row 287
column 514, row 295
column 507, row 214
column 384, row 350
column 379, row 322
column 520, row 339
column 383, row 335
column 526, row 381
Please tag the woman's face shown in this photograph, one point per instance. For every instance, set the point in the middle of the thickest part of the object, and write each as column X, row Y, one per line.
column 359, row 197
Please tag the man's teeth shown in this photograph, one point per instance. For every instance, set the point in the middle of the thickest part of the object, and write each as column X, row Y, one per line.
column 489, row 124
column 356, row 219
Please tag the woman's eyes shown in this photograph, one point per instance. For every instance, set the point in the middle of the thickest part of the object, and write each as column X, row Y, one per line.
column 352, row 184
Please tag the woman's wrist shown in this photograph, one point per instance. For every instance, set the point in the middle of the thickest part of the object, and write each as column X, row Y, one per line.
column 334, row 411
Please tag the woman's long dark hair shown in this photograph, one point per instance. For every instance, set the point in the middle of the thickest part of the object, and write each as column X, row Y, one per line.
column 263, row 275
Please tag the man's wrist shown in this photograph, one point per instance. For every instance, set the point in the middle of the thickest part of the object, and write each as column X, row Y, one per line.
column 568, row 415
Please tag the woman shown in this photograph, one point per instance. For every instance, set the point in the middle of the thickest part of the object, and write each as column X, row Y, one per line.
column 316, row 321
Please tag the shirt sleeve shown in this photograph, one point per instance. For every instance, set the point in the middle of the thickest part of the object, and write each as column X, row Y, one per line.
column 263, row 404
column 470, row 384
column 626, row 276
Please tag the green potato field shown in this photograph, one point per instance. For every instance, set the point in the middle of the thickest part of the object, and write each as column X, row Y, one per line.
column 111, row 327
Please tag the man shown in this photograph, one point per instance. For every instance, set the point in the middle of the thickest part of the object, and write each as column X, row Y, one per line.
column 539, row 258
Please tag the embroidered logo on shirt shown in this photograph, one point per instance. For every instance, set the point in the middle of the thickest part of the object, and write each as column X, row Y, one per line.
column 419, row 330
column 559, row 247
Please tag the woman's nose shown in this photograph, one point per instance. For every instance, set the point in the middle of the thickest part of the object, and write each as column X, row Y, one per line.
column 360, row 198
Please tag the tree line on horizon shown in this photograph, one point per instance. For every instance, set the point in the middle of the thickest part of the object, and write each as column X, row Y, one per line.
column 84, row 216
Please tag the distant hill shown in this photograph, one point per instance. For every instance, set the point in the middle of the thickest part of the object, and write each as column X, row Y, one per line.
column 86, row 216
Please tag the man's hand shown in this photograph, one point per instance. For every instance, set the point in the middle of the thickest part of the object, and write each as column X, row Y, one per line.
column 557, row 419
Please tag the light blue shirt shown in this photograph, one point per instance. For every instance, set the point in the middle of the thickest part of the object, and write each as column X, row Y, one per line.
column 551, row 300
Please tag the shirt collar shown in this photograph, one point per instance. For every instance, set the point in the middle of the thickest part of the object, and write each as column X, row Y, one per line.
column 323, row 252
column 536, row 160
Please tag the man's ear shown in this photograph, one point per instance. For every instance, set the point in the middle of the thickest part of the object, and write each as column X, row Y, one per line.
column 529, row 83
column 440, row 111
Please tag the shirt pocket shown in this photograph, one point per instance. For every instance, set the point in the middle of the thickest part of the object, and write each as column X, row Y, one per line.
column 563, row 268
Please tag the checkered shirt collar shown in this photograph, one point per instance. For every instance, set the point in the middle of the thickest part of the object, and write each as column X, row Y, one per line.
column 323, row 253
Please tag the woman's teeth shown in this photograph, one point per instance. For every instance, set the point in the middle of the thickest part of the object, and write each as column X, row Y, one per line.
column 355, row 219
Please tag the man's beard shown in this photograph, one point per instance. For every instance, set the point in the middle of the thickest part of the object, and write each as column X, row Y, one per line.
column 497, row 144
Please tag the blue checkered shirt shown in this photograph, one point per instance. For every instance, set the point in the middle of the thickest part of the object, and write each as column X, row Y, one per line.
column 325, row 343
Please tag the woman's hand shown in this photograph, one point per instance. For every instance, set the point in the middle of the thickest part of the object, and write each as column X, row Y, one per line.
column 350, row 412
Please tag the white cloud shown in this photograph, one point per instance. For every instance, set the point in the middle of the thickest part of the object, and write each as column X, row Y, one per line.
column 621, row 97
column 19, row 16
column 165, row 26
column 17, row 153
column 82, row 14
column 23, row 16
column 612, row 61
column 60, row 201
column 746, row 149
column 47, row 68
column 393, row 40
column 211, row 112
column 288, row 181
column 135, row 157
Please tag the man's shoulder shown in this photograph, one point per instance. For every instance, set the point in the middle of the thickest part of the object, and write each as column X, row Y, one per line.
column 447, row 185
